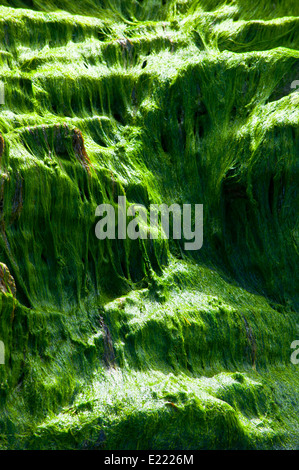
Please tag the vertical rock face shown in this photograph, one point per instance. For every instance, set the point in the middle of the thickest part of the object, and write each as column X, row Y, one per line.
column 126, row 344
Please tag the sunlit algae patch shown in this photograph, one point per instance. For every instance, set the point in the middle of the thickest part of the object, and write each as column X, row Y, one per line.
column 142, row 344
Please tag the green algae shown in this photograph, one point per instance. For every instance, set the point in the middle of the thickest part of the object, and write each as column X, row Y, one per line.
column 124, row 344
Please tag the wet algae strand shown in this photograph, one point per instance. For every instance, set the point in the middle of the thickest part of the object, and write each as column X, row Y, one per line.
column 141, row 344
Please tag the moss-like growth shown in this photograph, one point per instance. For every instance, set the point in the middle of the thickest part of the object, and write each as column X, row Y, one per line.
column 123, row 344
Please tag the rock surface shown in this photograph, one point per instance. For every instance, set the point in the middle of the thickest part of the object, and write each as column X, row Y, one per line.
column 122, row 344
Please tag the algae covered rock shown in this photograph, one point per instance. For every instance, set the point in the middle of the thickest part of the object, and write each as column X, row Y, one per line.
column 122, row 343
